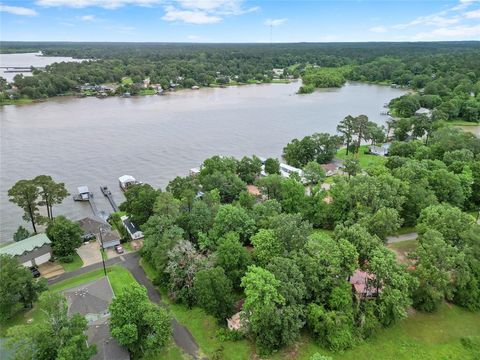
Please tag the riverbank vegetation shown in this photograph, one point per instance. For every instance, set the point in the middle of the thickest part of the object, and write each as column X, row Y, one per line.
column 208, row 237
column 444, row 74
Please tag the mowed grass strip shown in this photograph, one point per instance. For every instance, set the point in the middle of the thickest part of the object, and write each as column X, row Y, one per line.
column 365, row 160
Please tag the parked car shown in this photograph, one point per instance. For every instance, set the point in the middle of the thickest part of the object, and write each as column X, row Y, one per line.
column 88, row 237
column 119, row 249
column 35, row 271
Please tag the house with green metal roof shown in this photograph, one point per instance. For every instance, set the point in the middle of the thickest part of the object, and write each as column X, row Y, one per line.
column 32, row 251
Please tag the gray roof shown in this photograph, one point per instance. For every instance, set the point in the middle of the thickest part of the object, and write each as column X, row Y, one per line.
column 90, row 299
column 24, row 246
column 110, row 235
column 92, row 226
column 107, row 347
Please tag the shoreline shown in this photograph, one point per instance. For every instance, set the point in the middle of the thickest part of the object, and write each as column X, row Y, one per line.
column 28, row 101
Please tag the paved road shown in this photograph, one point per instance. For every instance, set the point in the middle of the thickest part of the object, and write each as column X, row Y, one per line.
column 183, row 338
column 404, row 237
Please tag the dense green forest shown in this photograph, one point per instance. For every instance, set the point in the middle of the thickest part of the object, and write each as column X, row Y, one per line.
column 446, row 75
column 291, row 254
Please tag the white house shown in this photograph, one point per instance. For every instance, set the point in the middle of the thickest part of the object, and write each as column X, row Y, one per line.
column 132, row 230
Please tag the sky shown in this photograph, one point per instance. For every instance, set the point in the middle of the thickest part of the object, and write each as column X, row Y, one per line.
column 239, row 20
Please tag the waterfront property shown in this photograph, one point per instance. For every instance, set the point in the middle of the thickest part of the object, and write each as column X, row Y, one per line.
column 32, row 251
column 92, row 300
column 99, row 230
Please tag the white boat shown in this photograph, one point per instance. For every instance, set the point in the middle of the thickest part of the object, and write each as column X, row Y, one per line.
column 83, row 194
column 125, row 181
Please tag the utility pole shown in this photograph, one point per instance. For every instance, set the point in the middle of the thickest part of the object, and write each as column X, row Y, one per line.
column 100, row 229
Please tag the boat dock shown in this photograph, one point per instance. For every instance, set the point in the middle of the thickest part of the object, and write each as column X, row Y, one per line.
column 109, row 196
column 85, row 195
column 98, row 213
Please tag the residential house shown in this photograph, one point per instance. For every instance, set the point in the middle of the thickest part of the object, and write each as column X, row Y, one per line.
column 423, row 111
column 33, row 251
column 101, row 231
column 92, row 300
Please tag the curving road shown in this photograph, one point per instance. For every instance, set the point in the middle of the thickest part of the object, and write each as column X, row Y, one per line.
column 182, row 337
column 404, row 237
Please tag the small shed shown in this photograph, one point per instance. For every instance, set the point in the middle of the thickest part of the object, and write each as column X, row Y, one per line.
column 32, row 251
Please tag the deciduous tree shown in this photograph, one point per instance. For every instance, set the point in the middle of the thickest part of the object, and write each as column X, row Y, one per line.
column 137, row 323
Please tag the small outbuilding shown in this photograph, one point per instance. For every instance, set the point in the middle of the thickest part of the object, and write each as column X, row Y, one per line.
column 133, row 231
column 33, row 251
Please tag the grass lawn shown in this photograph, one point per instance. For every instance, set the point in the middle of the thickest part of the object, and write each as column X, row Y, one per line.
column 170, row 352
column 116, row 274
column 404, row 246
column 421, row 336
column 16, row 101
column 147, row 92
column 462, row 123
column 127, row 246
column 365, row 160
column 120, row 278
column 74, row 265
column 405, row 230
column 127, row 80
column 323, row 231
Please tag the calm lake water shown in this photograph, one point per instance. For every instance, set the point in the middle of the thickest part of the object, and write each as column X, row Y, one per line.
column 155, row 138
column 27, row 60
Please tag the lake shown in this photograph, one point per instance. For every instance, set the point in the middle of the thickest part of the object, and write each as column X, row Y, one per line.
column 27, row 60
column 93, row 141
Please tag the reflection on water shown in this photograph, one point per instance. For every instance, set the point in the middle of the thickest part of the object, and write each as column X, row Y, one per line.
column 155, row 138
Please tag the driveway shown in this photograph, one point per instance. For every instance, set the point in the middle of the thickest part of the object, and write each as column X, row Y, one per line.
column 404, row 237
column 90, row 253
